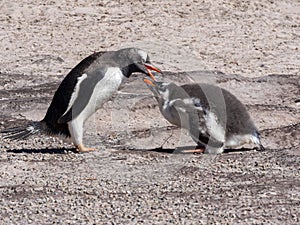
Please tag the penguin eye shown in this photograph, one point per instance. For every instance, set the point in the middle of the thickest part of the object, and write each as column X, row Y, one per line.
column 147, row 59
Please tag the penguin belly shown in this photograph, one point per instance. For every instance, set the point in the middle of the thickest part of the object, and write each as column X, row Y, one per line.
column 103, row 90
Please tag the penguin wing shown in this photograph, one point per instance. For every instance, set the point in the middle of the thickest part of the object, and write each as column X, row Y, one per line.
column 197, row 119
column 62, row 96
column 190, row 113
column 202, row 130
column 82, row 93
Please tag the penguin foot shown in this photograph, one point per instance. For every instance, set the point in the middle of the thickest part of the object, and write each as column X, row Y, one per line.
column 194, row 151
column 81, row 148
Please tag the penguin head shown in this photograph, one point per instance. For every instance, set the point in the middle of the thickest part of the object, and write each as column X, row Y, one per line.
column 161, row 90
column 133, row 60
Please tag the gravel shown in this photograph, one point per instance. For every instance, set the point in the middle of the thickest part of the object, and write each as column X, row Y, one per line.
column 248, row 47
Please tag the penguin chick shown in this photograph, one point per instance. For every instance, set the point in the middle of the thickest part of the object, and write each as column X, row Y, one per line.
column 214, row 117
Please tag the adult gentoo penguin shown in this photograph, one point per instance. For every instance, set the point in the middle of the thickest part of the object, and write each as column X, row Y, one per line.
column 214, row 117
column 87, row 86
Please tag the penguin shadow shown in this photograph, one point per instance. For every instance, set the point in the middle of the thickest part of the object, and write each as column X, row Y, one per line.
column 242, row 150
column 178, row 150
column 42, row 151
column 192, row 150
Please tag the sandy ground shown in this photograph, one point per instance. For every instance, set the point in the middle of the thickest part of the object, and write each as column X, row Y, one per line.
column 248, row 47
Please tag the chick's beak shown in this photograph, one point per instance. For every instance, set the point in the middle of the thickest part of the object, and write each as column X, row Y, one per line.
column 150, row 68
column 153, row 86
column 149, row 82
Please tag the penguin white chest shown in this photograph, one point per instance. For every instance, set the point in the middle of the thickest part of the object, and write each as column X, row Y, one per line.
column 103, row 90
column 107, row 86
column 214, row 127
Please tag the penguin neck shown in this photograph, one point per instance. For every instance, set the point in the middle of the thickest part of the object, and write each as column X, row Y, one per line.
column 169, row 112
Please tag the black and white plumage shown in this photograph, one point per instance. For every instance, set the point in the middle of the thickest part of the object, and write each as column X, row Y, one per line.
column 87, row 86
column 214, row 117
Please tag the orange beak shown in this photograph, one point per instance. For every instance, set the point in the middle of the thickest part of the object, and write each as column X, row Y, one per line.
column 151, row 68
column 148, row 82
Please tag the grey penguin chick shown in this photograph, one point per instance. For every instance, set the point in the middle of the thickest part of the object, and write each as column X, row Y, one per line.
column 214, row 117
column 83, row 91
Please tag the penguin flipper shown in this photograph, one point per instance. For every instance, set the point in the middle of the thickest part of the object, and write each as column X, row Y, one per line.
column 81, row 94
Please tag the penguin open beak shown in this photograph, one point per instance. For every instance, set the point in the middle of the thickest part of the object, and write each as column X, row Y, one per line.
column 152, row 85
column 150, row 68
column 149, row 82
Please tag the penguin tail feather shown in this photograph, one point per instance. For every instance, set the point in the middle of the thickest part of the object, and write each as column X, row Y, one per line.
column 257, row 141
column 23, row 132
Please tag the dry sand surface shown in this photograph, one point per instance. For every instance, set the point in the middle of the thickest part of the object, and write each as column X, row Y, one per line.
column 248, row 47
